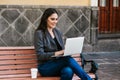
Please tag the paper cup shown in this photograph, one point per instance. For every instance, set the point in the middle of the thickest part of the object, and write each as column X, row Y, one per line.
column 34, row 72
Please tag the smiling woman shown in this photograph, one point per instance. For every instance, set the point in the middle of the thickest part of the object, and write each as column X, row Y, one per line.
column 46, row 2
column 48, row 42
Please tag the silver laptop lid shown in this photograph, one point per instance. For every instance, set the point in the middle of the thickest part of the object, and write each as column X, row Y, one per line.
column 74, row 45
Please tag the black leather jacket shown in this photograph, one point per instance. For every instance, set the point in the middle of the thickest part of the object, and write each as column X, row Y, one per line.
column 45, row 46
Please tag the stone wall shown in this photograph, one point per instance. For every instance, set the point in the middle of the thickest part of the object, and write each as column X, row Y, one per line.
column 18, row 23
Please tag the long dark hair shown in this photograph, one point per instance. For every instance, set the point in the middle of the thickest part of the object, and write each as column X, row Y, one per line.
column 43, row 24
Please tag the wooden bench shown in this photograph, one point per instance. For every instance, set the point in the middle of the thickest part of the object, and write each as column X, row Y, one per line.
column 15, row 64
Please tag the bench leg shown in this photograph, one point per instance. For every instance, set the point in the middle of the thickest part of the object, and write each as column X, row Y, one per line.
column 96, row 77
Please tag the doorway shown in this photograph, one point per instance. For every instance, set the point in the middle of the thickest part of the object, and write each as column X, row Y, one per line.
column 109, row 16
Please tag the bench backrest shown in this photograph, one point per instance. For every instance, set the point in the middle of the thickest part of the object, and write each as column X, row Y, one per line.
column 15, row 62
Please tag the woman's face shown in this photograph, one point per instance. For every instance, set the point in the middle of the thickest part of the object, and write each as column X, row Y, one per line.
column 52, row 20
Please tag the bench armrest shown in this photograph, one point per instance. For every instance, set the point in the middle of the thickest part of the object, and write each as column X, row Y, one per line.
column 94, row 65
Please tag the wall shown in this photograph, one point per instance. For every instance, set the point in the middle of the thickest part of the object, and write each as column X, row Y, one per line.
column 46, row 2
column 18, row 23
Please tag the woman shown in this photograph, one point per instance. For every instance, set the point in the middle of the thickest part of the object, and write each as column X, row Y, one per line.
column 48, row 42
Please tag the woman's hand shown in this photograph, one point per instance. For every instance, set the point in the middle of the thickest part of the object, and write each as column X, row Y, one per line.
column 57, row 53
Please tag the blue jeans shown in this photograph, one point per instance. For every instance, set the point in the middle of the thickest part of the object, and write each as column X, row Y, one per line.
column 64, row 67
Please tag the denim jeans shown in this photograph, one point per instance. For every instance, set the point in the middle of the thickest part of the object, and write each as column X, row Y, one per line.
column 64, row 67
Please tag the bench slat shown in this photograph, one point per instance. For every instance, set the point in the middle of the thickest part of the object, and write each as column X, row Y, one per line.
column 90, row 74
column 76, row 55
column 7, row 57
column 15, row 72
column 40, row 78
column 4, row 67
column 11, row 62
column 15, row 76
column 27, row 77
column 17, row 52
column 17, row 48
column 77, row 59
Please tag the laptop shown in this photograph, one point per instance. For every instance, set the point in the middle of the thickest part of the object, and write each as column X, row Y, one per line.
column 73, row 46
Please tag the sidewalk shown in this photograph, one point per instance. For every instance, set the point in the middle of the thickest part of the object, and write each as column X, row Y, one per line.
column 109, row 64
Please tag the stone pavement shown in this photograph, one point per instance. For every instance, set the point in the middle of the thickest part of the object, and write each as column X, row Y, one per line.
column 109, row 64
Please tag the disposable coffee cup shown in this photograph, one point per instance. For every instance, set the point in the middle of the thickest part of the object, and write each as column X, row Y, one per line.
column 34, row 72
